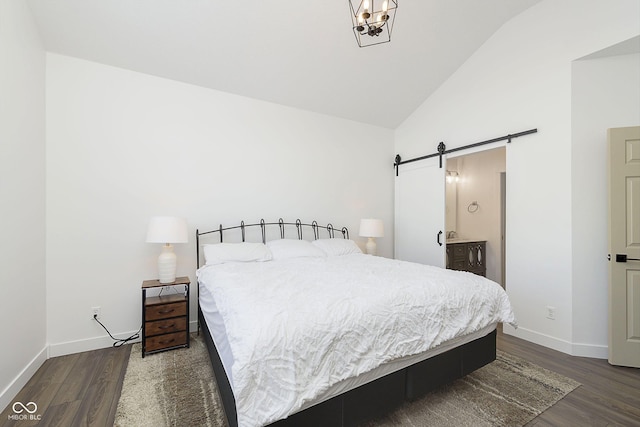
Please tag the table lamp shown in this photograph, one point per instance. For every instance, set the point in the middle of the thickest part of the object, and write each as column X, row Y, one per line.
column 371, row 228
column 167, row 230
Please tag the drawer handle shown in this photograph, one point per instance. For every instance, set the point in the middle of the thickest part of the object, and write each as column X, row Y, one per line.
column 171, row 310
column 167, row 326
column 167, row 342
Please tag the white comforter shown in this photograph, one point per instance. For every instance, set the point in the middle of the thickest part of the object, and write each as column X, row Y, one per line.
column 298, row 326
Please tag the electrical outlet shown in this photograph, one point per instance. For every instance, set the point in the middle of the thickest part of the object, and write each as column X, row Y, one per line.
column 95, row 312
column 551, row 313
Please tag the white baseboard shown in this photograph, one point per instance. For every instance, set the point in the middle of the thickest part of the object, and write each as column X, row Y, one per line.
column 573, row 349
column 591, row 350
column 193, row 326
column 96, row 343
column 87, row 344
column 23, row 377
column 540, row 339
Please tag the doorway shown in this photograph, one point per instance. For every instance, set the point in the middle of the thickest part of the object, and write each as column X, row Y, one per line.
column 475, row 204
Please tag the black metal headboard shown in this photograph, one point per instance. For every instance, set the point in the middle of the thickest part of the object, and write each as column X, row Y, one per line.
column 263, row 227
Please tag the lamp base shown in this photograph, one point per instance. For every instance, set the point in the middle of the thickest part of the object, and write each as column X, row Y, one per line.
column 371, row 246
column 167, row 265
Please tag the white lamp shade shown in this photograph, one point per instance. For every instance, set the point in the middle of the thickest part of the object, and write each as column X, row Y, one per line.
column 167, row 229
column 371, row 228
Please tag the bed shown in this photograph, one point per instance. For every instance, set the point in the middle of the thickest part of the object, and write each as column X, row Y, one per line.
column 313, row 332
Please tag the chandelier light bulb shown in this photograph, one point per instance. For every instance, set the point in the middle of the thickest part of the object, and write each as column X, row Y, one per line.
column 365, row 14
column 385, row 6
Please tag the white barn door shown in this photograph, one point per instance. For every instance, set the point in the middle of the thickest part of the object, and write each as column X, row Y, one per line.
column 420, row 212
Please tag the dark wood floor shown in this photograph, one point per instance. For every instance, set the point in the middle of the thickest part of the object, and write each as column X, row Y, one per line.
column 83, row 389
column 80, row 389
column 609, row 395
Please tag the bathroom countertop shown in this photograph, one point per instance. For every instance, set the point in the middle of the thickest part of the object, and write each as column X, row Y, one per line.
column 463, row 240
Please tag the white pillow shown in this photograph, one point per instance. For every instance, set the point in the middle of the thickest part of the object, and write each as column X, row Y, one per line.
column 337, row 247
column 293, row 248
column 235, row 252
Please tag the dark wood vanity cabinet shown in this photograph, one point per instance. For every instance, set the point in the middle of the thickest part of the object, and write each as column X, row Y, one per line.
column 468, row 256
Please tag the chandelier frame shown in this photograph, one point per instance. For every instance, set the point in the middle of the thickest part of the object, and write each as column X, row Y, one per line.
column 373, row 26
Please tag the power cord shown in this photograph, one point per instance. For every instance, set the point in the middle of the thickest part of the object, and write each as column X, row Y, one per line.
column 118, row 342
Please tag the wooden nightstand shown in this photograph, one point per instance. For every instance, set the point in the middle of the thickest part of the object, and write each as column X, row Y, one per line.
column 165, row 318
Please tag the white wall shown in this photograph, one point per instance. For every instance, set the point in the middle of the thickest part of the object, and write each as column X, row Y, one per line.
column 605, row 94
column 22, row 199
column 521, row 79
column 124, row 146
column 480, row 181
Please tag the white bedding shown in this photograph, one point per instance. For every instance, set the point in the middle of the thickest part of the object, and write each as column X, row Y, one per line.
column 296, row 327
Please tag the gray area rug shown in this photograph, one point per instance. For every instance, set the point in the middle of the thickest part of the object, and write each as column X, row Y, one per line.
column 177, row 388
column 173, row 388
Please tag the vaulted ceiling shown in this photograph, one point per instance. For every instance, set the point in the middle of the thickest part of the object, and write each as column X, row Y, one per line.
column 301, row 54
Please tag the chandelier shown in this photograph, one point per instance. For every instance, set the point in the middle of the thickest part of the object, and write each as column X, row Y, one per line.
column 373, row 26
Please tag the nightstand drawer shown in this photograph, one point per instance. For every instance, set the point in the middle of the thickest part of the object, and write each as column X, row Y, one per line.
column 160, row 342
column 165, row 311
column 166, row 326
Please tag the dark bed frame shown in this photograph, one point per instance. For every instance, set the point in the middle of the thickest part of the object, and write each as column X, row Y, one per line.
column 367, row 401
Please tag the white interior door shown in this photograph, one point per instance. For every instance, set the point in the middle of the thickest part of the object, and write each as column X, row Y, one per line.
column 420, row 212
column 624, row 246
